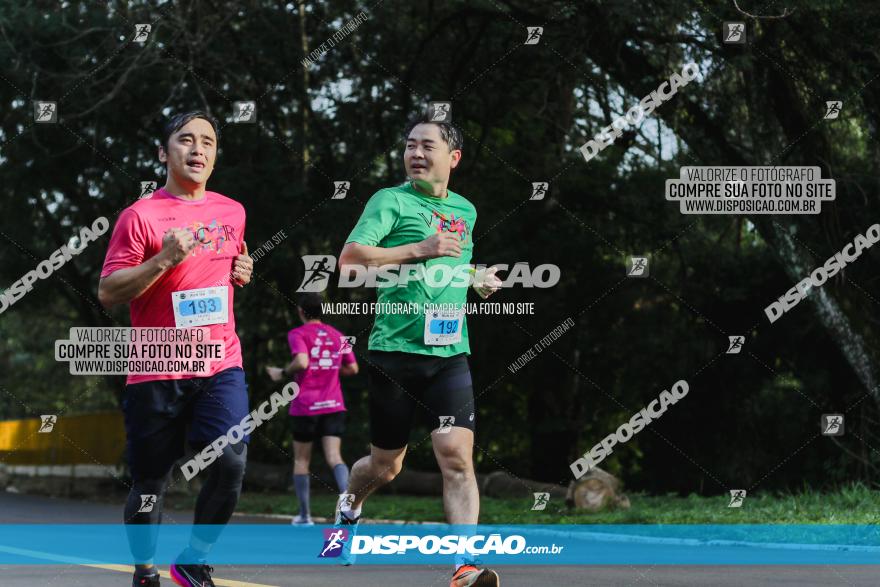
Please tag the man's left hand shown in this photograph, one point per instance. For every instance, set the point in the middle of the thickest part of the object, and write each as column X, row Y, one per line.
column 242, row 267
column 486, row 283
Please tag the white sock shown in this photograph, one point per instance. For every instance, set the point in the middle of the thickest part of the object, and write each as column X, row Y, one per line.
column 352, row 514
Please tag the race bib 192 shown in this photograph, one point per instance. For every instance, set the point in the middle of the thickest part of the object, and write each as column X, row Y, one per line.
column 443, row 326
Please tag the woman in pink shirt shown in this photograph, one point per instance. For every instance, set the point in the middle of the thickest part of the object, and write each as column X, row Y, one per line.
column 320, row 355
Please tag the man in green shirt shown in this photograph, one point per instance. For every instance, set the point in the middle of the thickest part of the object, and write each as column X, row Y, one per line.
column 417, row 361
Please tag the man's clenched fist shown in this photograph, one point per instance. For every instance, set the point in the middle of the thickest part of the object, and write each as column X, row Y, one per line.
column 486, row 282
column 242, row 267
column 442, row 244
column 176, row 245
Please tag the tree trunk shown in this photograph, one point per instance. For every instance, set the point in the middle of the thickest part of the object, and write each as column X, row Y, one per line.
column 305, row 104
column 704, row 134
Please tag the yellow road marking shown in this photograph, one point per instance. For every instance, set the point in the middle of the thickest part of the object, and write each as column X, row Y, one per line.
column 165, row 575
column 61, row 559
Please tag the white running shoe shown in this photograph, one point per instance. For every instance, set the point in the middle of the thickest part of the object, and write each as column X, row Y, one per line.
column 299, row 520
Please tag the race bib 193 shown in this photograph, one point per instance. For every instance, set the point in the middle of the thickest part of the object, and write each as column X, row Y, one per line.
column 201, row 307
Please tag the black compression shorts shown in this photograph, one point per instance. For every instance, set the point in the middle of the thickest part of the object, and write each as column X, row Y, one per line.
column 308, row 428
column 403, row 386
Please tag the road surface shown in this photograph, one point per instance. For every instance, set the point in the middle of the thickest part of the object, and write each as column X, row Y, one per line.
column 26, row 509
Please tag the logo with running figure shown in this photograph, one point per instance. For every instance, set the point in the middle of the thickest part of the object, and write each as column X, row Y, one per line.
column 45, row 112
column 347, row 344
column 734, row 33
column 539, row 190
column 440, row 111
column 446, row 423
column 832, row 424
column 340, row 189
column 533, row 34
column 147, row 189
column 319, row 268
column 148, row 501
column 735, row 344
column 832, row 109
column 737, row 497
column 334, row 540
column 141, row 33
column 345, row 502
column 541, row 501
column 637, row 267
column 244, row 112
column 47, row 423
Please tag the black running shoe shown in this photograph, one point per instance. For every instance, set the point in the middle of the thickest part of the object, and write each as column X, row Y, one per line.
column 146, row 581
column 192, row 575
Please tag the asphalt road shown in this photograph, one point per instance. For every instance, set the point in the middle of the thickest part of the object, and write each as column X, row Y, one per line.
column 23, row 509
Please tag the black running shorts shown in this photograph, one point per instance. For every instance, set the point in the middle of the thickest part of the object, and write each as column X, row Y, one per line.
column 160, row 414
column 406, row 386
column 308, row 428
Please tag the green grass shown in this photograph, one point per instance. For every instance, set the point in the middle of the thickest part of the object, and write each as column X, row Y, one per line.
column 855, row 504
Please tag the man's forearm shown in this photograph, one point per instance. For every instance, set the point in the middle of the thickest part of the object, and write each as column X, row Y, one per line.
column 378, row 256
column 124, row 285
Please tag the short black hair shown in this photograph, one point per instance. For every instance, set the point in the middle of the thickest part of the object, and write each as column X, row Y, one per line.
column 178, row 121
column 310, row 304
column 448, row 132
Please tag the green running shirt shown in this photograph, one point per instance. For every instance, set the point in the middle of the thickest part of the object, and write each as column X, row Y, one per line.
column 399, row 216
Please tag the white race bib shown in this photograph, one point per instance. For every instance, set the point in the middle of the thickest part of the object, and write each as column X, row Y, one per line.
column 443, row 326
column 201, row 307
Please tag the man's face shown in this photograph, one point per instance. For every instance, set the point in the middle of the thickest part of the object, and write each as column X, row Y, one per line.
column 191, row 152
column 427, row 157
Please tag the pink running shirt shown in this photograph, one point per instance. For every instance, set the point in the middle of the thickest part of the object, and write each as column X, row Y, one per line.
column 319, row 388
column 217, row 223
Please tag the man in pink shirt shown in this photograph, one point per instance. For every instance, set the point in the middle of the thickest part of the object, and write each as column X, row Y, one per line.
column 180, row 245
column 320, row 355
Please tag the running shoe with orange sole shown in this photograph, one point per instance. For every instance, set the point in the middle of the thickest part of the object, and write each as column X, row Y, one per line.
column 471, row 576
